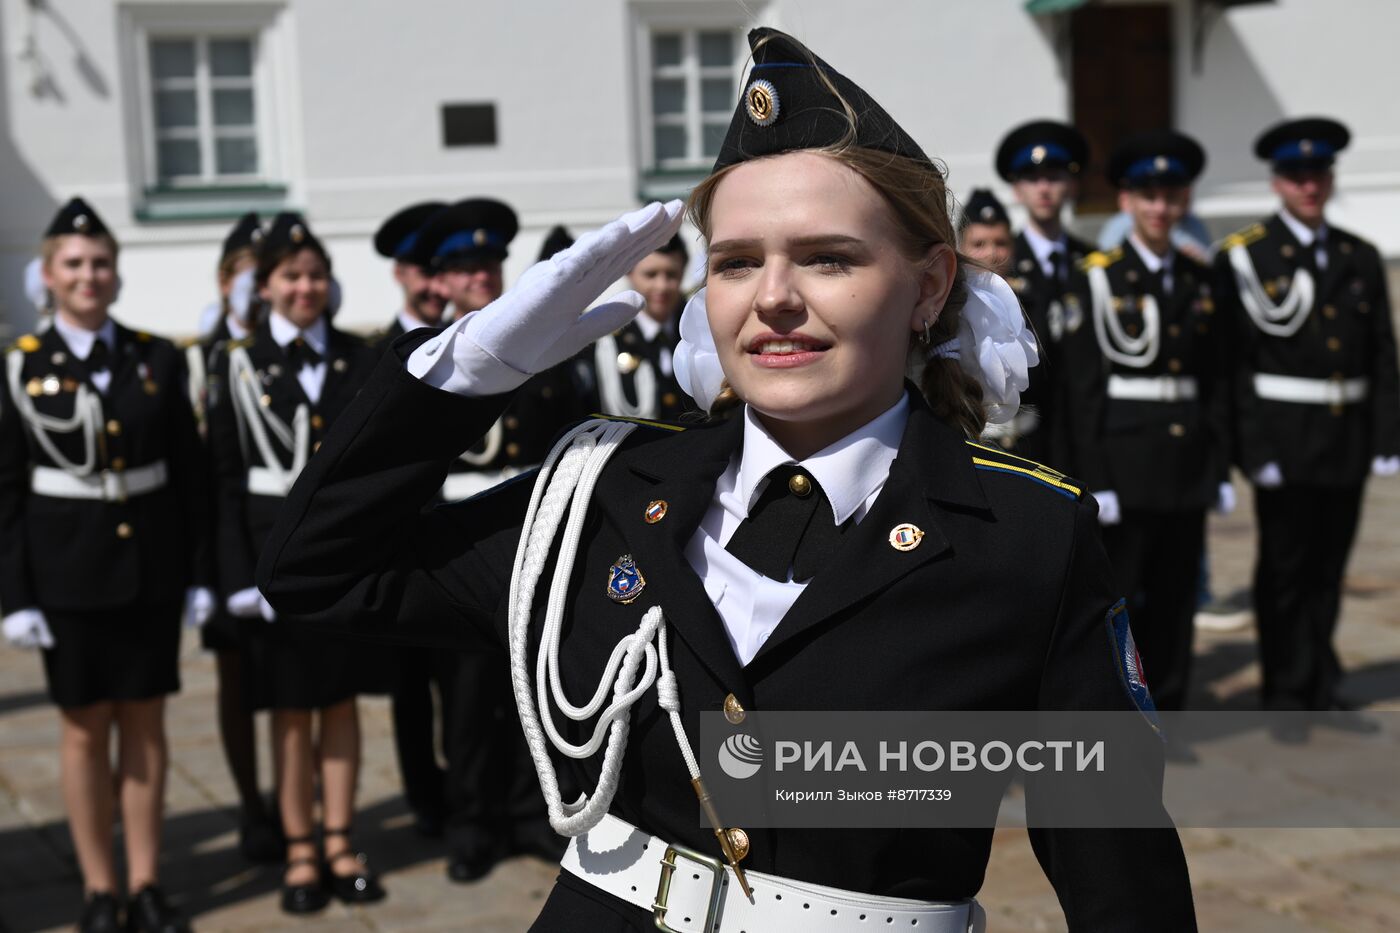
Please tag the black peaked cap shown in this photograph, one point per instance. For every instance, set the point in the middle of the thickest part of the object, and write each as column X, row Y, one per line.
column 982, row 207
column 246, row 234
column 557, row 240
column 1308, row 142
column 77, row 216
column 1156, row 157
column 476, row 227
column 1041, row 144
column 397, row 236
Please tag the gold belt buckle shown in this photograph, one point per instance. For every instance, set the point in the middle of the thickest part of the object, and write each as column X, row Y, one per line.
column 663, row 887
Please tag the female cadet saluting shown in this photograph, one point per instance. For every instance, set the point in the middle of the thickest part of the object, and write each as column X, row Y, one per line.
column 283, row 387
column 102, row 542
column 830, row 260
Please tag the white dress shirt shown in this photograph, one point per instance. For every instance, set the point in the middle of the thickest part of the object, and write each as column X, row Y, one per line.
column 851, row 473
column 1045, row 248
column 1155, row 263
column 312, row 378
column 80, row 341
column 1308, row 237
column 650, row 328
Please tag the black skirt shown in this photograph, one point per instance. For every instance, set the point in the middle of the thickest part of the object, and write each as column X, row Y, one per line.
column 287, row 666
column 130, row 653
column 220, row 633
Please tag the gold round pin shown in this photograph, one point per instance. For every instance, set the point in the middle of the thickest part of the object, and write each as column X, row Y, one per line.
column 627, row 363
column 655, row 511
column 799, row 485
column 905, row 537
column 761, row 102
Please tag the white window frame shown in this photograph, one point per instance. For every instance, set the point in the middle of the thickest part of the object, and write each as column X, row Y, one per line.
column 258, row 21
column 689, row 19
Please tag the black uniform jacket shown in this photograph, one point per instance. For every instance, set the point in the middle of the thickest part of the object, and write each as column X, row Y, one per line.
column 1004, row 605
column 83, row 554
column 633, row 349
column 1348, row 334
column 244, row 518
column 1055, row 311
column 1155, row 455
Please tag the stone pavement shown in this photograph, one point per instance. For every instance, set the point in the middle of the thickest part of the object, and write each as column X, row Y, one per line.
column 1246, row 880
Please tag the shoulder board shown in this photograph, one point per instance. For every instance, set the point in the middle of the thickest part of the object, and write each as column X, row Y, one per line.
column 28, row 343
column 186, row 342
column 143, row 336
column 240, row 343
column 659, row 425
column 1251, row 234
column 999, row 461
column 1101, row 260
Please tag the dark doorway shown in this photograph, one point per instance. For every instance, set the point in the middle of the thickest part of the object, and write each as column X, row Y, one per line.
column 1121, row 75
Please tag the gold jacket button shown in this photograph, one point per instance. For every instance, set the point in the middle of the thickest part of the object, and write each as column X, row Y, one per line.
column 1177, row 430
column 1329, row 311
column 512, row 449
column 1334, row 344
column 799, row 485
column 511, row 422
column 1174, row 365
column 317, row 422
column 1174, row 330
column 124, row 531
column 118, row 464
column 114, row 427
column 733, row 711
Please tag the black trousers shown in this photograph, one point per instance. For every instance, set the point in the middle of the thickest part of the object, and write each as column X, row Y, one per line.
column 416, row 730
column 1305, row 538
column 1157, row 564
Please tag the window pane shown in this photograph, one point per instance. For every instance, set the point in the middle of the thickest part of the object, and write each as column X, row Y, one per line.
column 177, row 157
column 236, row 156
column 668, row 95
column 175, row 108
column 233, row 108
column 717, row 95
column 716, row 48
column 713, row 137
column 666, row 49
column 172, row 58
column 670, row 143
column 231, row 58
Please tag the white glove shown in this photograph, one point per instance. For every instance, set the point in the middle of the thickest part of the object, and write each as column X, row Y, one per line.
column 27, row 628
column 1225, row 501
column 1268, row 476
column 1385, row 466
column 250, row 604
column 1109, row 511
column 541, row 322
column 199, row 606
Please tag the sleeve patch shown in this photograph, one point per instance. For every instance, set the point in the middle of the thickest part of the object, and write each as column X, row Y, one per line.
column 1129, row 663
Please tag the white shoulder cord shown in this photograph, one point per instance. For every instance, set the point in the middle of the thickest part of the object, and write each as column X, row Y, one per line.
column 1277, row 320
column 194, row 360
column 87, row 416
column 493, row 447
column 243, row 383
column 1135, row 352
column 610, row 390
column 564, row 486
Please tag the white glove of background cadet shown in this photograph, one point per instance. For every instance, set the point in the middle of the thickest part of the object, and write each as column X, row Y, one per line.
column 250, row 604
column 1268, row 476
column 199, row 606
column 541, row 322
column 1109, row 512
column 27, row 628
column 1225, row 501
column 1385, row 466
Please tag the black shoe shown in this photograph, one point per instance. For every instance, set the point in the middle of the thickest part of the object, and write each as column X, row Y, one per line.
column 464, row 866
column 538, row 839
column 100, row 914
column 361, row 887
column 260, row 840
column 147, row 912
column 306, row 898
column 1344, row 718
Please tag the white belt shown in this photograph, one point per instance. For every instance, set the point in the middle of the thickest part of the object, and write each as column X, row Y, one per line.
column 109, row 485
column 1152, row 388
column 467, row 484
column 1311, row 391
column 694, row 893
column 265, row 482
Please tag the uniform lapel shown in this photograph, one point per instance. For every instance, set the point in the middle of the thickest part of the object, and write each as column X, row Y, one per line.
column 279, row 380
column 681, row 473
column 126, row 357
column 1336, row 266
column 934, row 465
column 339, row 357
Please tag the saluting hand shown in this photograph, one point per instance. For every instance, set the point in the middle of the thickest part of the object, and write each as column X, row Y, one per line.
column 27, row 628
column 545, row 319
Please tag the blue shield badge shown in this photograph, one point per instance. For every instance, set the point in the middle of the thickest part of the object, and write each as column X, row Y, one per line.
column 625, row 581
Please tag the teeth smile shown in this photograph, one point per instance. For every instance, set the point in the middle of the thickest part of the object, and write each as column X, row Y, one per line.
column 780, row 347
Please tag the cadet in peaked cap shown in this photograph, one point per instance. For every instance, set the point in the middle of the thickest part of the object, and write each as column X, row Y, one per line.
column 1318, row 398
column 984, row 231
column 1157, row 158
column 398, row 238
column 1041, row 145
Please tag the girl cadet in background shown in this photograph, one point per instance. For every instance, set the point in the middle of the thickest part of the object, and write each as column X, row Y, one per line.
column 836, row 543
column 283, row 387
column 259, row 833
column 102, row 550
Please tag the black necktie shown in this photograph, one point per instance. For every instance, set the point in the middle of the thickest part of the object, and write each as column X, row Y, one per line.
column 97, row 357
column 1057, row 266
column 300, row 353
column 791, row 526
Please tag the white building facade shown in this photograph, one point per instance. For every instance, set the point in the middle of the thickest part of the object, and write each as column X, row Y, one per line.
column 172, row 117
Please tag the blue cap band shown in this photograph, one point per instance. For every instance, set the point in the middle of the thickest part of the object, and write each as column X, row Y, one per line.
column 406, row 245
column 1315, row 150
column 1050, row 154
column 1154, row 167
column 470, row 241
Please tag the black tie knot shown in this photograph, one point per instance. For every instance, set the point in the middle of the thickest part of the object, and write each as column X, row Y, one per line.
column 301, row 353
column 98, row 356
column 790, row 528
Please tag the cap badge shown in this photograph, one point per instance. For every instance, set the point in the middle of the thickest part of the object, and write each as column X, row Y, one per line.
column 987, row 213
column 479, row 238
column 1038, row 155
column 656, row 511
column 1161, row 163
column 761, row 102
column 905, row 537
column 625, row 581
column 81, row 223
column 297, row 233
column 255, row 235
column 1305, row 146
